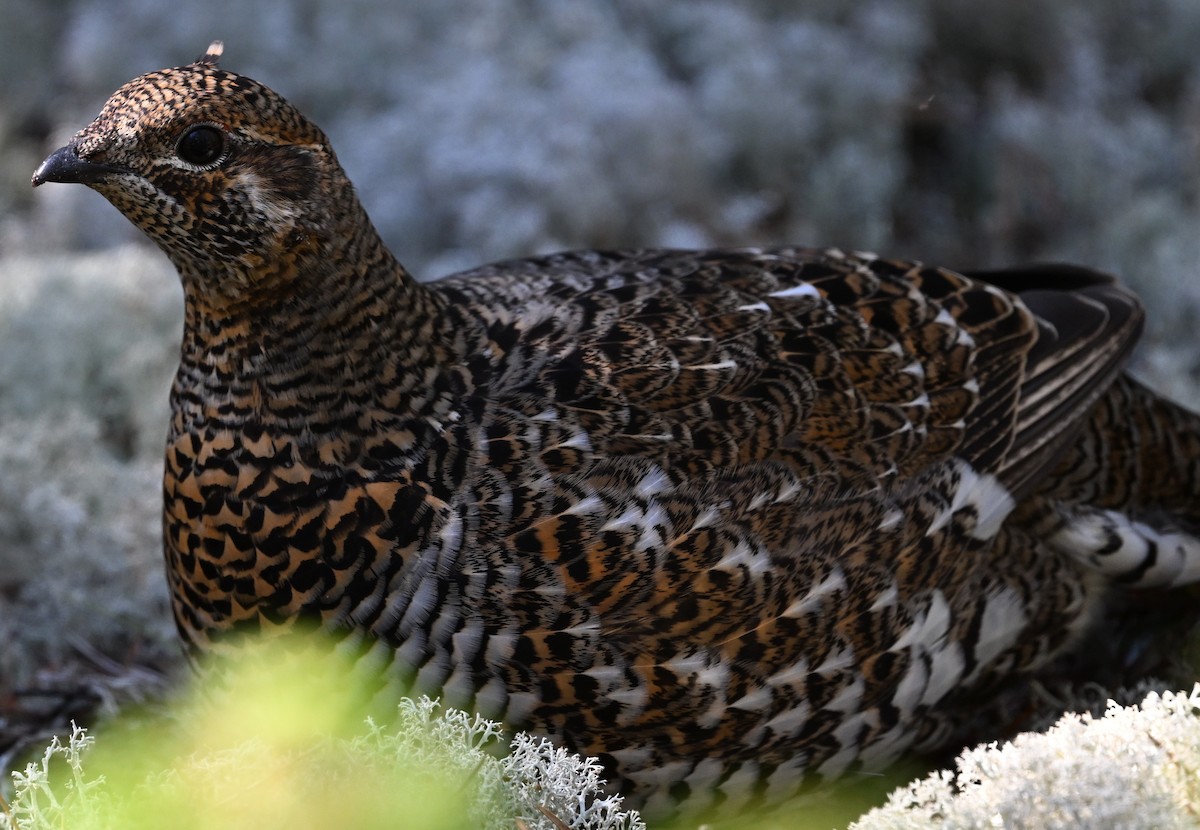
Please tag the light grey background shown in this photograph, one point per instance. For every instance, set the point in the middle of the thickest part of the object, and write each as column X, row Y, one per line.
column 959, row 132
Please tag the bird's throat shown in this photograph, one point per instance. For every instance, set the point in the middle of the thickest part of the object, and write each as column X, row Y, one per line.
column 331, row 349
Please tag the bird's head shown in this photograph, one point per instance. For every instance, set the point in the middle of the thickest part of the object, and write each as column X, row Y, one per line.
column 225, row 175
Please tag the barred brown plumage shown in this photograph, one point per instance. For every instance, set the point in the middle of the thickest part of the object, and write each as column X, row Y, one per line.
column 730, row 520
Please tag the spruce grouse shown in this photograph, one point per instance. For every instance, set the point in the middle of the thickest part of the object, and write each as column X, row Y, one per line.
column 729, row 520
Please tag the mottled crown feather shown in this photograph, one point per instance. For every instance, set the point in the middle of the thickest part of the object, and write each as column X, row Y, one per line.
column 212, row 55
column 159, row 106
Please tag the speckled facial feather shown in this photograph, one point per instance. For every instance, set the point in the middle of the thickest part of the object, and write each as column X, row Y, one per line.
column 268, row 184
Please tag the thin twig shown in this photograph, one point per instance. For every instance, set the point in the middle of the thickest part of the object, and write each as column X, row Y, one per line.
column 558, row 823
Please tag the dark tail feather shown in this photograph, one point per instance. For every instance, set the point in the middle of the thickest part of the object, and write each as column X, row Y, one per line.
column 1087, row 326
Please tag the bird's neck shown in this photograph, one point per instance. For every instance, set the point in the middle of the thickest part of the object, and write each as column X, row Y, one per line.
column 336, row 339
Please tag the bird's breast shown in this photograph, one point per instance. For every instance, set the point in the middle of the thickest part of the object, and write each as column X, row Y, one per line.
column 258, row 528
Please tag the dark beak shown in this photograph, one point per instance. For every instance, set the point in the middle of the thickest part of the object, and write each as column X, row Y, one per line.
column 65, row 165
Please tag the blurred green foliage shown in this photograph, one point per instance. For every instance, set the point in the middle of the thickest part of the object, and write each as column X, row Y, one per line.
column 280, row 734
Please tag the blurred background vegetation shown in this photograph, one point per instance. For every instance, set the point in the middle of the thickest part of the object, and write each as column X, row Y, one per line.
column 959, row 132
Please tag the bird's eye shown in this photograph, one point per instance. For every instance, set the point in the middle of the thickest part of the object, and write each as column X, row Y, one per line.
column 201, row 145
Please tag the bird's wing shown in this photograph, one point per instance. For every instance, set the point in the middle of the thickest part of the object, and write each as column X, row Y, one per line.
column 771, row 483
column 738, row 354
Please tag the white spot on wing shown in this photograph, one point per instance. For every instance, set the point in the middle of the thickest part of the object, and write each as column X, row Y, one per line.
column 786, row 780
column 632, row 516
column 848, row 731
column 811, row 601
column 755, row 307
column 796, row 291
column 755, row 701
column 465, row 643
column 708, row 517
column 792, row 675
column 653, row 483
column 912, row 686
column 424, row 600
column 848, row 699
column 1002, row 623
column 521, row 706
column 633, row 698
column 887, row 748
column 459, row 687
column 835, row 765
column 739, row 787
column 944, row 674
column 891, row 519
column 706, row 774
column 451, row 535
column 929, row 627
column 837, row 659
column 490, row 700
column 579, row 441
column 790, row 720
column 984, row 493
column 887, row 599
column 606, row 676
column 632, row 757
column 659, row 777
column 744, row 556
column 652, row 530
column 788, row 492
column 591, row 504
